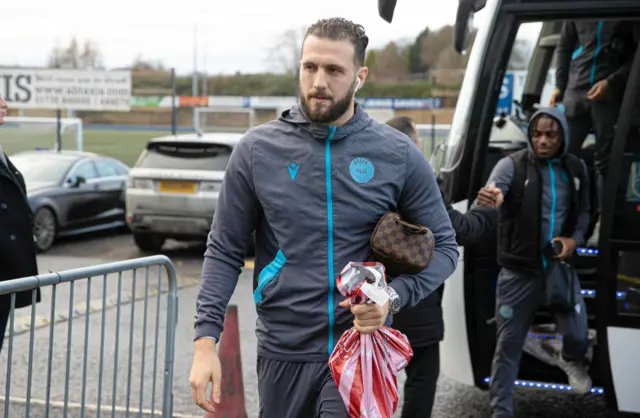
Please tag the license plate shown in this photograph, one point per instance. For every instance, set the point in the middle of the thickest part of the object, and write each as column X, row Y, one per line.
column 178, row 187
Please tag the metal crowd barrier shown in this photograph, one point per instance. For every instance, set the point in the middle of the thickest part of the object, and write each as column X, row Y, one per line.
column 432, row 135
column 90, row 368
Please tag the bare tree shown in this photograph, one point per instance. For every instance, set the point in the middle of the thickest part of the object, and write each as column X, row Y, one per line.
column 450, row 59
column 433, row 44
column 285, row 55
column 392, row 60
column 73, row 57
column 90, row 58
column 142, row 64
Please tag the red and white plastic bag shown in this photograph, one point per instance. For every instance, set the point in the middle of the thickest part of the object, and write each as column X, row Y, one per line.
column 365, row 367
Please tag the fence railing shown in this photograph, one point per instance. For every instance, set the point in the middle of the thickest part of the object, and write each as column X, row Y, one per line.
column 432, row 134
column 87, row 374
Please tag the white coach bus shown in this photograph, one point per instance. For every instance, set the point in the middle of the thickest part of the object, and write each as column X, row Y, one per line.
column 609, row 269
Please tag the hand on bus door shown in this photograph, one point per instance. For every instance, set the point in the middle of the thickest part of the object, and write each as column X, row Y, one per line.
column 490, row 196
column 556, row 97
column 568, row 247
column 598, row 90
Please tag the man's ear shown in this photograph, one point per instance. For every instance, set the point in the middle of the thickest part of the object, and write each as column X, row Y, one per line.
column 362, row 77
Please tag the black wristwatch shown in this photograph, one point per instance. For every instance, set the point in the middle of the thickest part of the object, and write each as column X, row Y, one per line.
column 394, row 300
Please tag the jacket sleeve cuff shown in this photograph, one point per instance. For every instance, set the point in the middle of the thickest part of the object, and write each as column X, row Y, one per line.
column 578, row 238
column 400, row 287
column 207, row 330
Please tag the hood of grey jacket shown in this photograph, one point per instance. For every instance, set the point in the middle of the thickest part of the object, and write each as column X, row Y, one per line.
column 559, row 117
column 296, row 117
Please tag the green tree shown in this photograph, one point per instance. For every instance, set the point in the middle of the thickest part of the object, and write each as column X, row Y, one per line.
column 372, row 60
column 415, row 62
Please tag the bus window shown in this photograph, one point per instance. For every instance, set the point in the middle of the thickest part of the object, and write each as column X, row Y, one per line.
column 527, row 79
column 627, row 227
column 626, row 222
column 521, row 53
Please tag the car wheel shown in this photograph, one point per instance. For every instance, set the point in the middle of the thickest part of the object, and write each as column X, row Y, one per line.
column 149, row 242
column 46, row 228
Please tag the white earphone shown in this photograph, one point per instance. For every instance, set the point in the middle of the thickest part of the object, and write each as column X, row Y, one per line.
column 357, row 84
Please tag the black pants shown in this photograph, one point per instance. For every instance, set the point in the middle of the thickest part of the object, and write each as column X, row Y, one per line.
column 601, row 116
column 422, row 378
column 4, row 319
column 298, row 390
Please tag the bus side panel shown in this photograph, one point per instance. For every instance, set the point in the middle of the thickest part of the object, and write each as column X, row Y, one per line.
column 454, row 353
column 623, row 346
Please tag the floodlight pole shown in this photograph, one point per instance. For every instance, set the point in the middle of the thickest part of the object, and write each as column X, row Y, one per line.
column 58, row 130
column 174, row 109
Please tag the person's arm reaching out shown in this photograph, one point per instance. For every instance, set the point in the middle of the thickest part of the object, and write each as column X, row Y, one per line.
column 421, row 203
column 474, row 225
column 499, row 180
column 502, row 175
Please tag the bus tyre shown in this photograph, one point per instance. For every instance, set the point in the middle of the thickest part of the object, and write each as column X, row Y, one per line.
column 149, row 242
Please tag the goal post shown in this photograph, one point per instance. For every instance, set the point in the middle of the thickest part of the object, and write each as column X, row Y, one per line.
column 21, row 133
column 221, row 119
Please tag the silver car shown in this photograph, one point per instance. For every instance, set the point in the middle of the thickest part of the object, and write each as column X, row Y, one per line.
column 173, row 188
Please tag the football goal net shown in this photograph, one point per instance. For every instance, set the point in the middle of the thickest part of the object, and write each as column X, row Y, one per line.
column 213, row 119
column 32, row 133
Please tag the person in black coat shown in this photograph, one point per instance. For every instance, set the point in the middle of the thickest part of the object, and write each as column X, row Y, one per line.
column 17, row 245
column 423, row 324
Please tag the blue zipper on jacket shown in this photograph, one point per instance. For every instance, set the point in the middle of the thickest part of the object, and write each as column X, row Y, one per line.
column 552, row 211
column 331, row 273
column 592, row 78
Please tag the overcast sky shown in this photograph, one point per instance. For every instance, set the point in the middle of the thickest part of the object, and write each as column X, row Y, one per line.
column 234, row 35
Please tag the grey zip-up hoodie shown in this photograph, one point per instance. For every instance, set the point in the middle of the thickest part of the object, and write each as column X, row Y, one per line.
column 556, row 191
column 314, row 194
column 590, row 51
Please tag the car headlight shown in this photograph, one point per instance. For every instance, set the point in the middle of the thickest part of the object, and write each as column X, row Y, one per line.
column 140, row 183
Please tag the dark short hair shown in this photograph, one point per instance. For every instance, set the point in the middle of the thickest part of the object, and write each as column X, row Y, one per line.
column 403, row 124
column 341, row 29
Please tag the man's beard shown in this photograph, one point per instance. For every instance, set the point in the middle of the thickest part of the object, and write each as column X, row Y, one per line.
column 328, row 113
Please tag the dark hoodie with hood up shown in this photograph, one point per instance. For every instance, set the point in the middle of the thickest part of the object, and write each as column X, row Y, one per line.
column 314, row 194
column 555, row 196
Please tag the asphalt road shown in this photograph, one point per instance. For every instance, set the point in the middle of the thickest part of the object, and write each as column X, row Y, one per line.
column 452, row 401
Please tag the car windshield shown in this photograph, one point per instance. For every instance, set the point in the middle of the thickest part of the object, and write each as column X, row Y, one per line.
column 186, row 156
column 42, row 168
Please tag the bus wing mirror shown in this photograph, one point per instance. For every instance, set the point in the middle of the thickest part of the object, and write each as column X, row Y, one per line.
column 386, row 9
column 464, row 23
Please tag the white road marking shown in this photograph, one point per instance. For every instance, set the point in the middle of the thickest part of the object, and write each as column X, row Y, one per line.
column 93, row 407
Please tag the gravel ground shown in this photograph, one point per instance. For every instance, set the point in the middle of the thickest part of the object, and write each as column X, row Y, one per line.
column 453, row 400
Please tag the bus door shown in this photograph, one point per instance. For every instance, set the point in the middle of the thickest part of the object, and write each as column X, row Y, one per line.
column 618, row 267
